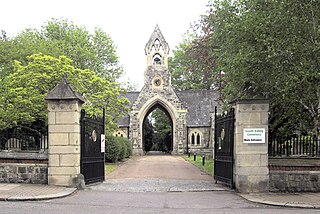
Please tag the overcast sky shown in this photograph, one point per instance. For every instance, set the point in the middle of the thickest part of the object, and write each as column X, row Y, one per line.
column 128, row 22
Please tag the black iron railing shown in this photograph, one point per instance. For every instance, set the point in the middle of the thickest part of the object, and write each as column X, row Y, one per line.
column 23, row 139
column 294, row 146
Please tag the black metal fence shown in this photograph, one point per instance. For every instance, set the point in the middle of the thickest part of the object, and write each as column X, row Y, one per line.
column 23, row 139
column 294, row 146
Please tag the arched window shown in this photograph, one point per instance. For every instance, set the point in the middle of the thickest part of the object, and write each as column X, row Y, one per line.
column 192, row 139
column 198, row 139
column 157, row 59
column 119, row 133
column 195, row 138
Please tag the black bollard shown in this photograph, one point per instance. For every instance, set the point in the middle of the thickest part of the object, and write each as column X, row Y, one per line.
column 194, row 156
column 203, row 160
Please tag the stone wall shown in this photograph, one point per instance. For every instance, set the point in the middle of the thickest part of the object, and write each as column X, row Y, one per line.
column 23, row 167
column 294, row 174
column 24, row 173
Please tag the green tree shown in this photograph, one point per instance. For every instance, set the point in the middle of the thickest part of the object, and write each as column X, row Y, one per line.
column 23, row 92
column 148, row 134
column 58, row 37
column 193, row 62
column 271, row 49
column 162, row 130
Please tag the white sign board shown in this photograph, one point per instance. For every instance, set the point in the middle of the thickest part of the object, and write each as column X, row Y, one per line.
column 257, row 135
column 103, row 143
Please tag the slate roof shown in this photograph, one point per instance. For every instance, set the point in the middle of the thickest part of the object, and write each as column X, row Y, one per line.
column 199, row 103
column 131, row 96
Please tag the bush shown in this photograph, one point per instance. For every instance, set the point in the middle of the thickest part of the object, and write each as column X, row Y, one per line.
column 113, row 148
column 129, row 147
column 117, row 148
column 123, row 150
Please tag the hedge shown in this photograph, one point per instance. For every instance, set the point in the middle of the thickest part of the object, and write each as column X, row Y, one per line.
column 117, row 148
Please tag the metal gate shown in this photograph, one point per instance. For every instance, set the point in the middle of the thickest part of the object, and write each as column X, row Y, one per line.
column 223, row 149
column 92, row 157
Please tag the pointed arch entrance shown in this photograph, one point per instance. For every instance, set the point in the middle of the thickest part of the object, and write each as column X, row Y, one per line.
column 152, row 140
column 144, row 110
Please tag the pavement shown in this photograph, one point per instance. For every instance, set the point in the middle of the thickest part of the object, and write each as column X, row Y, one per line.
column 32, row 192
column 297, row 200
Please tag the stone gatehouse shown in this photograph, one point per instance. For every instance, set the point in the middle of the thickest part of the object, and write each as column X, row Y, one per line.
column 190, row 112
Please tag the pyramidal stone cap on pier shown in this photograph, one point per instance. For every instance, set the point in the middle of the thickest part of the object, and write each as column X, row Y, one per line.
column 64, row 91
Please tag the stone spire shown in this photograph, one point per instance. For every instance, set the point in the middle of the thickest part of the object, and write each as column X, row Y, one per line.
column 157, row 49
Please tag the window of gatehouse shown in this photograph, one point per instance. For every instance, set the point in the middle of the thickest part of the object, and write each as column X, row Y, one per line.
column 195, row 138
column 119, row 134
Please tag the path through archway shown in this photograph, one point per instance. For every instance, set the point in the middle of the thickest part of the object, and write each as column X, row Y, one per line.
column 157, row 130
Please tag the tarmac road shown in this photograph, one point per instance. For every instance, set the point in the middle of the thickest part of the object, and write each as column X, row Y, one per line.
column 151, row 184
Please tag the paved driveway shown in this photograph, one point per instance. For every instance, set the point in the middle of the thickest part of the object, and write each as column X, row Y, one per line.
column 159, row 167
column 158, row 173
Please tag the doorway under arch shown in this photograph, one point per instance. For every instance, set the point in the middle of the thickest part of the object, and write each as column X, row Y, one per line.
column 157, row 129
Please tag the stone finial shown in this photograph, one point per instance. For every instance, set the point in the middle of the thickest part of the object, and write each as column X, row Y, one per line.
column 157, row 49
column 64, row 91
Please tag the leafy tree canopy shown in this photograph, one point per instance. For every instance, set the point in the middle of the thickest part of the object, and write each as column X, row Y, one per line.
column 271, row 49
column 193, row 64
column 23, row 91
column 157, row 132
column 58, row 37
column 267, row 49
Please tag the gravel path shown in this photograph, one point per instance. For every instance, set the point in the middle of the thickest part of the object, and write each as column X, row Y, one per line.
column 157, row 185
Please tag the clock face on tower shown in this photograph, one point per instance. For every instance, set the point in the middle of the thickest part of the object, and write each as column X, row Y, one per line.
column 157, row 81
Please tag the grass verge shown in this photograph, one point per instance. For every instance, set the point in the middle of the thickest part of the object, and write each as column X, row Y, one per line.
column 110, row 167
column 208, row 166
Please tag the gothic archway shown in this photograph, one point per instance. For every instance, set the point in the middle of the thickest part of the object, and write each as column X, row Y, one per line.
column 157, row 137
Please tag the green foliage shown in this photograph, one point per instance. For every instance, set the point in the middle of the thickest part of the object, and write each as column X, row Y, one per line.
column 148, row 134
column 271, row 49
column 117, row 148
column 35, row 60
column 193, row 62
column 128, row 147
column 113, row 149
column 157, row 132
column 266, row 49
column 23, row 91
column 95, row 52
column 123, row 149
